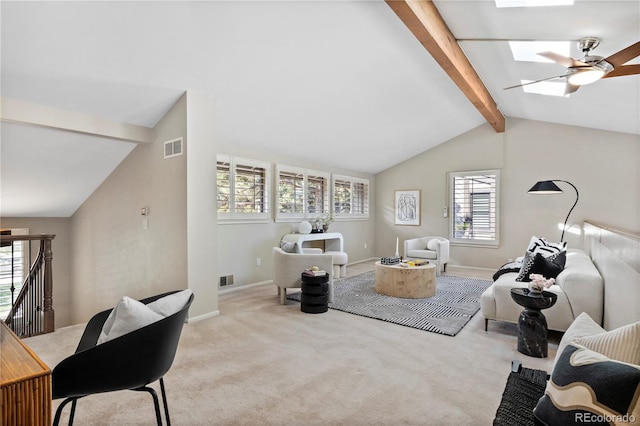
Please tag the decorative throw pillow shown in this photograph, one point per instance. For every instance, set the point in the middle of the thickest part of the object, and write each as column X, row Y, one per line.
column 621, row 344
column 127, row 316
column 582, row 326
column 130, row 314
column 527, row 266
column 288, row 247
column 588, row 387
column 544, row 258
column 544, row 247
column 169, row 305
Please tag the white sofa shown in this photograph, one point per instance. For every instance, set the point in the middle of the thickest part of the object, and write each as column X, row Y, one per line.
column 579, row 287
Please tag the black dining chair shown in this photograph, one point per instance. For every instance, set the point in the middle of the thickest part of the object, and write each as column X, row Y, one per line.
column 129, row 362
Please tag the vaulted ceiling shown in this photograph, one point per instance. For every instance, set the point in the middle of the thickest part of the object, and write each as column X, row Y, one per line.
column 327, row 77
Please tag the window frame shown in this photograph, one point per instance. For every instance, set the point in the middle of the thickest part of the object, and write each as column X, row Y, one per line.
column 233, row 216
column 493, row 242
column 353, row 181
column 305, row 214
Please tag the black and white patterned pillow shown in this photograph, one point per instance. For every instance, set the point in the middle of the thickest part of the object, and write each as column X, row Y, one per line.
column 537, row 263
column 589, row 387
column 544, row 247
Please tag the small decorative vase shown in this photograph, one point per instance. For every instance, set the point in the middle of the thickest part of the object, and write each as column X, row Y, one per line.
column 325, row 228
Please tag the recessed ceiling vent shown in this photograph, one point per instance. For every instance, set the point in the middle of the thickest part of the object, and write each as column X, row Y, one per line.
column 173, row 148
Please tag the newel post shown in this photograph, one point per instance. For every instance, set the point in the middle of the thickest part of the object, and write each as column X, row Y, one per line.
column 48, row 312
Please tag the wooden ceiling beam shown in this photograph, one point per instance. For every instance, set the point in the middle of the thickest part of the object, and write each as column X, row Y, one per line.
column 425, row 22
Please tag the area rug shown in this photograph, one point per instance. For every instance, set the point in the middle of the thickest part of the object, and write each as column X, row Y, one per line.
column 455, row 302
column 520, row 396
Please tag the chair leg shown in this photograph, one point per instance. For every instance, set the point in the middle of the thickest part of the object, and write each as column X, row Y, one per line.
column 56, row 419
column 164, row 401
column 156, row 403
column 283, row 296
column 73, row 412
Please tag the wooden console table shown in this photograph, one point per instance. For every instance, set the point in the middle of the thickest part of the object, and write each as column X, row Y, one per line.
column 25, row 383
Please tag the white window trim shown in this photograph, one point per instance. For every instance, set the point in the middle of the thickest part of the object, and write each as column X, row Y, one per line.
column 305, row 215
column 495, row 243
column 350, row 216
column 239, row 217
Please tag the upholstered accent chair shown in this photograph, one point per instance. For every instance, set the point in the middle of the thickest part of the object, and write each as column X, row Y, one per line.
column 435, row 249
column 288, row 268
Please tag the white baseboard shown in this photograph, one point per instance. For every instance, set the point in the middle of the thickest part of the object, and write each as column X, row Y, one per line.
column 203, row 317
column 243, row 287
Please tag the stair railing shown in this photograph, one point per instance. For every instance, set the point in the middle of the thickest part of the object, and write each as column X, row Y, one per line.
column 32, row 310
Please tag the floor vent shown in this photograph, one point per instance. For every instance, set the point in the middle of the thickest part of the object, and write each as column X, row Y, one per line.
column 173, row 148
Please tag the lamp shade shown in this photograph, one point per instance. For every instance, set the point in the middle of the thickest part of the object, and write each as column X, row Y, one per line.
column 545, row 187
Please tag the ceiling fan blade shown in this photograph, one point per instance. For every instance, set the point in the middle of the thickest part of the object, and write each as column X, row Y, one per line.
column 570, row 88
column 624, row 70
column 625, row 55
column 563, row 60
column 534, row 82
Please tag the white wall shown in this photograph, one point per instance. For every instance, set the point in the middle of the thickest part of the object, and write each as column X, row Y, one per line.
column 604, row 166
column 201, row 205
column 111, row 254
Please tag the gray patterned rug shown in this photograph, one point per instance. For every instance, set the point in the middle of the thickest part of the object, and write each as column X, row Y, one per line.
column 455, row 302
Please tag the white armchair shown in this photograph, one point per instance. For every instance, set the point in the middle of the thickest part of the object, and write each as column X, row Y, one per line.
column 288, row 267
column 435, row 249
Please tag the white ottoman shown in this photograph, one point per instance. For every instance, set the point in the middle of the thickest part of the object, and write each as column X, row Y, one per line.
column 340, row 260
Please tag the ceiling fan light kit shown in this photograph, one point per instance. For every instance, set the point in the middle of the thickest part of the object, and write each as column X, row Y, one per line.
column 588, row 75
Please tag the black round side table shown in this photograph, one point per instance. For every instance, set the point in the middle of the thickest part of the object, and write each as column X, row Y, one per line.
column 532, row 325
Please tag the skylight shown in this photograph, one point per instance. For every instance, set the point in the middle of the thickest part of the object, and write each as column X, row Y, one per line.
column 528, row 50
column 532, row 3
column 549, row 88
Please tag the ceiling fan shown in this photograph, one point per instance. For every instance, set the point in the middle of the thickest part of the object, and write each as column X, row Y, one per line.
column 591, row 68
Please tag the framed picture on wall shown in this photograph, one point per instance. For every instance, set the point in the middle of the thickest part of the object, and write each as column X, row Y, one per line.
column 407, row 207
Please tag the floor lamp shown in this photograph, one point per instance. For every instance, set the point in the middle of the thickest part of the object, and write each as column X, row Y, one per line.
column 548, row 187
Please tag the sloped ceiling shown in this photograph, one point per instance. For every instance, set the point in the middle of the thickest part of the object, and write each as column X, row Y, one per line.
column 345, row 80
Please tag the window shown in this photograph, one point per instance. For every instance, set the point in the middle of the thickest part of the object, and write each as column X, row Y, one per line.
column 13, row 268
column 242, row 189
column 474, row 207
column 350, row 197
column 302, row 194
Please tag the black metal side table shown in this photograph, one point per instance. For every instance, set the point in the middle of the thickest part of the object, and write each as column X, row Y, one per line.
column 532, row 325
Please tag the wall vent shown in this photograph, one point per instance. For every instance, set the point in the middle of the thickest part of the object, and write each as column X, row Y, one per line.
column 226, row 280
column 173, row 148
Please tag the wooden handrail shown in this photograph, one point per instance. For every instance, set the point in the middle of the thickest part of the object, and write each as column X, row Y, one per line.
column 35, row 300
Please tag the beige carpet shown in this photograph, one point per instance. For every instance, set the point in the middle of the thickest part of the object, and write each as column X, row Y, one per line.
column 262, row 363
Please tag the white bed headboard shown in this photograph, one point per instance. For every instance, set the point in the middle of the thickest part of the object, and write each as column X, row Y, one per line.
column 616, row 254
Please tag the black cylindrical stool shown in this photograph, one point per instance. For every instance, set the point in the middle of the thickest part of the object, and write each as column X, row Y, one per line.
column 315, row 294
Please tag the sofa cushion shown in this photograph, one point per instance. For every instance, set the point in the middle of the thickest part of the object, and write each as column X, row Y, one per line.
column 589, row 387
